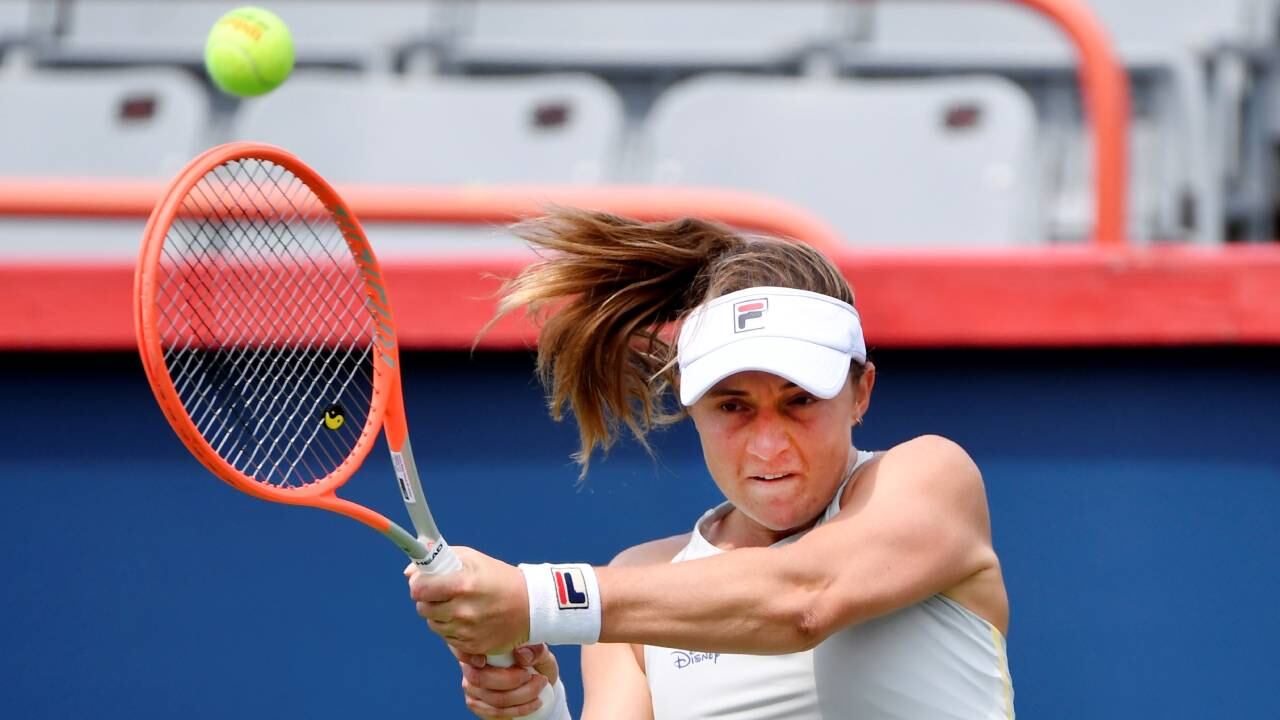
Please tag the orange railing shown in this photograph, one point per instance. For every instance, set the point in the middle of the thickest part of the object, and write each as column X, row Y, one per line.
column 465, row 205
column 1105, row 89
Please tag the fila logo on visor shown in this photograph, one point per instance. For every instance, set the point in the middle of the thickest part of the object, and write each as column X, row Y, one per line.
column 749, row 314
column 571, row 588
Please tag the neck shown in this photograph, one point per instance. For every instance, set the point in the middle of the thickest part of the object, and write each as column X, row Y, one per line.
column 733, row 529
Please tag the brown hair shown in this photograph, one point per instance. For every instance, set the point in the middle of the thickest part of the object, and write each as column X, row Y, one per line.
column 606, row 291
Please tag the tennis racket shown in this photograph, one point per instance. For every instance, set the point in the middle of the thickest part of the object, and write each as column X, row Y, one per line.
column 266, row 331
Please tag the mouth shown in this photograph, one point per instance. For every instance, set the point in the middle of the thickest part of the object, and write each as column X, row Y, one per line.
column 771, row 477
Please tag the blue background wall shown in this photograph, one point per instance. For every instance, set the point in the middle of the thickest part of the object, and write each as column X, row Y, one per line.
column 1134, row 497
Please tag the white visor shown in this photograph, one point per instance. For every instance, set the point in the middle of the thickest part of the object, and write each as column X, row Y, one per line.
column 806, row 337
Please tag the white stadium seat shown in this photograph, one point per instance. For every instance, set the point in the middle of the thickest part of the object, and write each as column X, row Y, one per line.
column 901, row 163
column 978, row 30
column 637, row 32
column 132, row 123
column 137, row 124
column 331, row 31
column 543, row 129
column 531, row 130
column 14, row 18
column 1179, row 148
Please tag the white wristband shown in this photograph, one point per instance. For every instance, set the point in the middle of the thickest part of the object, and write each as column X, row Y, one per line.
column 560, row 706
column 564, row 603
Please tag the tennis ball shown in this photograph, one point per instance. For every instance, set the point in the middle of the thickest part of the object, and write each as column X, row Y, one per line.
column 249, row 52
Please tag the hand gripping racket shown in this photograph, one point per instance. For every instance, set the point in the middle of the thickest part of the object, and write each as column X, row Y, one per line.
column 267, row 335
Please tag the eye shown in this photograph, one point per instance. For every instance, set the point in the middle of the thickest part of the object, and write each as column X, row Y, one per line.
column 802, row 400
column 730, row 406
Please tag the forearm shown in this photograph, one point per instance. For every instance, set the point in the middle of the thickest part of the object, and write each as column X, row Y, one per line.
column 751, row 600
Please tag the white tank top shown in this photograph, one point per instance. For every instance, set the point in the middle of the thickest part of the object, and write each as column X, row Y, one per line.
column 932, row 660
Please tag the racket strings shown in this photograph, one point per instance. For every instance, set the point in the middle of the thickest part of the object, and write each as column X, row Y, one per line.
column 228, row 370
column 274, row 239
column 265, row 324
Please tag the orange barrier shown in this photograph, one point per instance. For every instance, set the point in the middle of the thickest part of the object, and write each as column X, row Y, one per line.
column 1105, row 90
column 463, row 205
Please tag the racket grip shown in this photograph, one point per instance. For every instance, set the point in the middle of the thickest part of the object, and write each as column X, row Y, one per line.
column 442, row 560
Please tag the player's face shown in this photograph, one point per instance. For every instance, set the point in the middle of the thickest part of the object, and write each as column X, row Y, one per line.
column 777, row 452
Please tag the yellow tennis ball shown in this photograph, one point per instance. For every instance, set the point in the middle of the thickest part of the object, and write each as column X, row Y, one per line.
column 249, row 52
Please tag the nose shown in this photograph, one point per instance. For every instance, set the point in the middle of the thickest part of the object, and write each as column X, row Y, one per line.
column 767, row 439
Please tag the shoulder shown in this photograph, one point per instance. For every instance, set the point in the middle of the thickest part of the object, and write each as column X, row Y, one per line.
column 653, row 552
column 933, row 464
column 933, row 453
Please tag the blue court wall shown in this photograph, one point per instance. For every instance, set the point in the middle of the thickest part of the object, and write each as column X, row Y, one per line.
column 1134, row 497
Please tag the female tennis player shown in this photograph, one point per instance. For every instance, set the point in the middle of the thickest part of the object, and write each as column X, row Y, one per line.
column 831, row 583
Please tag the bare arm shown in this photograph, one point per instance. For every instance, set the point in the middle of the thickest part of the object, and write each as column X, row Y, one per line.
column 613, row 679
column 613, row 685
column 913, row 525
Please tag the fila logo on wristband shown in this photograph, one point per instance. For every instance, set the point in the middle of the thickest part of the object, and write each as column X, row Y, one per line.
column 571, row 588
column 749, row 314
column 564, row 603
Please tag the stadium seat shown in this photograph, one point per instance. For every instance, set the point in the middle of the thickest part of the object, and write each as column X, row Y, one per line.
column 549, row 129
column 81, row 124
column 533, row 129
column 22, row 24
column 332, row 32
column 1178, row 156
column 14, row 19
column 986, row 30
column 126, row 123
column 637, row 34
column 895, row 163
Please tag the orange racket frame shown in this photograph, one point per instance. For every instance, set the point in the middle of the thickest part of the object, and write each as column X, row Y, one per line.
column 388, row 404
column 428, row 550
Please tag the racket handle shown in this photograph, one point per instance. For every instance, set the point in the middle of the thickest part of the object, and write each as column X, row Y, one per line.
column 446, row 561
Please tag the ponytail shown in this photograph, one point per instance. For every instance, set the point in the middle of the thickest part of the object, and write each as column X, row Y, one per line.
column 605, row 292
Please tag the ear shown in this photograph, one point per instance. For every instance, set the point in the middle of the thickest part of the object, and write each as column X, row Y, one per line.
column 862, row 392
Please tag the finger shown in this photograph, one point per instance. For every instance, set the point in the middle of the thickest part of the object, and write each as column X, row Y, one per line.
column 438, row 611
column 446, row 631
column 496, row 678
column 434, row 588
column 487, row 711
column 522, row 699
column 466, row 658
column 524, row 656
column 540, row 659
